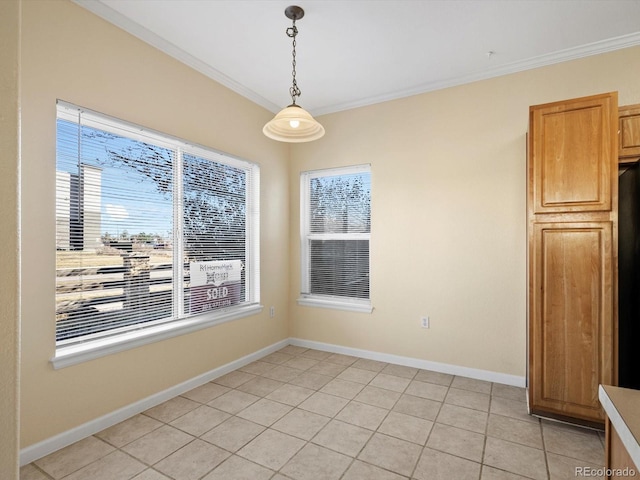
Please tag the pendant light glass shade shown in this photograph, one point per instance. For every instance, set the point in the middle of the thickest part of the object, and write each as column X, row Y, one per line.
column 293, row 124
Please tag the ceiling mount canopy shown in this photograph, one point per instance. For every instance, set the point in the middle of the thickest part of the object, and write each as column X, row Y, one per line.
column 293, row 123
column 294, row 12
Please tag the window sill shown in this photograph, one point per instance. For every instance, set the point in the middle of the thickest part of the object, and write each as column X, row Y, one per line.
column 83, row 352
column 351, row 305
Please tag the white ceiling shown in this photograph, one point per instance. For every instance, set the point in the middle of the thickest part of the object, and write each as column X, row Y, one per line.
column 352, row 53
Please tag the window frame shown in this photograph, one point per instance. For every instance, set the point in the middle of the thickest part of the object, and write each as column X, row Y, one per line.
column 326, row 301
column 71, row 353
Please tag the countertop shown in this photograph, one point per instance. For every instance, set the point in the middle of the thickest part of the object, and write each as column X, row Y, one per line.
column 622, row 406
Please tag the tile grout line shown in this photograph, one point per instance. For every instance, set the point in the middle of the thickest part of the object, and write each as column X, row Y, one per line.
column 486, row 432
column 544, row 449
column 430, row 432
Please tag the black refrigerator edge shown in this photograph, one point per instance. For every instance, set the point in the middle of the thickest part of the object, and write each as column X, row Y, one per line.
column 629, row 276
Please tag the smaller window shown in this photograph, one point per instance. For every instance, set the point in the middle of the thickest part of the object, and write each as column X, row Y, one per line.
column 335, row 222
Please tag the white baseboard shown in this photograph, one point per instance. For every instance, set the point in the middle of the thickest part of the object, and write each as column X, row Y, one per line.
column 50, row 445
column 476, row 373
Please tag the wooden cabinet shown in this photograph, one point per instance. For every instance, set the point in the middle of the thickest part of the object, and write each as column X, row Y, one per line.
column 622, row 432
column 617, row 457
column 571, row 147
column 629, row 133
column 572, row 227
column 572, row 303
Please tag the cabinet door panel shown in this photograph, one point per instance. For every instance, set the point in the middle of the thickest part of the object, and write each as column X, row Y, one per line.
column 571, row 317
column 629, row 135
column 573, row 145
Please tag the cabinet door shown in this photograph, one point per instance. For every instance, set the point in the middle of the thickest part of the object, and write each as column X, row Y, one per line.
column 629, row 133
column 571, row 318
column 572, row 146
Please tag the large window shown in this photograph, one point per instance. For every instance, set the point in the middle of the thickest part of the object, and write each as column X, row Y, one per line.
column 154, row 236
column 335, row 232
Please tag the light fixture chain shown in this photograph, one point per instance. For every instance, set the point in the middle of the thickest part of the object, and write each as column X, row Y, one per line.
column 294, row 91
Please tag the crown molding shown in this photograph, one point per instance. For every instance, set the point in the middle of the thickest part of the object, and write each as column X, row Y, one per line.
column 596, row 48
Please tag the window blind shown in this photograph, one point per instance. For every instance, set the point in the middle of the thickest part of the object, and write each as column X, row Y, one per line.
column 149, row 229
column 336, row 229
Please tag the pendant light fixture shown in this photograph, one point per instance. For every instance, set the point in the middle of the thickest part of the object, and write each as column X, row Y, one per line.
column 293, row 123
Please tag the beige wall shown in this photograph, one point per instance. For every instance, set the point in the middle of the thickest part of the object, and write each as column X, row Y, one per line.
column 448, row 213
column 70, row 54
column 9, row 237
column 448, row 172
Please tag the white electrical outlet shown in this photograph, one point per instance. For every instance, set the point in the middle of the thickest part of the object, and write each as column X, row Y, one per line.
column 424, row 322
column 272, row 312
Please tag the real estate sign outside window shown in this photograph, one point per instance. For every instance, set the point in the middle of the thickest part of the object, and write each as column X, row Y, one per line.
column 152, row 234
column 335, row 235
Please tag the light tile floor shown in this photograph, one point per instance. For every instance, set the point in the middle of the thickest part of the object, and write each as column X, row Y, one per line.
column 305, row 414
